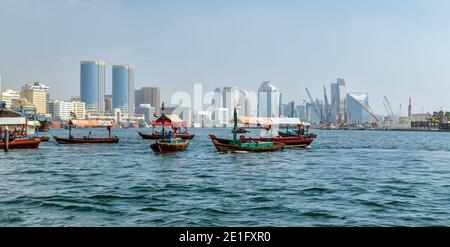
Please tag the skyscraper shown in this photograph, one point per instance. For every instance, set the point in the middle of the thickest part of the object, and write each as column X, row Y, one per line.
column 268, row 100
column 149, row 95
column 338, row 101
column 92, row 85
column 123, row 88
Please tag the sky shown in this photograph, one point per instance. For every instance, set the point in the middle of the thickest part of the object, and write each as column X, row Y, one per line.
column 395, row 48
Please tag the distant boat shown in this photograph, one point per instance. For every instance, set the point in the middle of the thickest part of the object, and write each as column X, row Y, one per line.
column 294, row 134
column 240, row 131
column 89, row 139
column 82, row 140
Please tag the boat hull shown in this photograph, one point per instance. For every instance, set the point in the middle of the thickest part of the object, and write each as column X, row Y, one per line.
column 284, row 134
column 155, row 136
column 21, row 144
column 85, row 140
column 291, row 141
column 223, row 145
column 167, row 147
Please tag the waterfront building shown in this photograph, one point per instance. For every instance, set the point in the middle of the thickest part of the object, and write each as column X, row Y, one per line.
column 1, row 94
column 123, row 88
column 268, row 100
column 9, row 96
column 108, row 103
column 147, row 110
column 62, row 109
column 149, row 95
column 79, row 108
column 338, row 101
column 92, row 85
column 355, row 113
column 39, row 85
column 37, row 96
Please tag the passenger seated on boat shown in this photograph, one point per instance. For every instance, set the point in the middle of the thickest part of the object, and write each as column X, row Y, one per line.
column 170, row 136
column 89, row 135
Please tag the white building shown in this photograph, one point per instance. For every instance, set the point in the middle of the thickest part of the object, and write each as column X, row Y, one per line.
column 268, row 100
column 61, row 109
column 9, row 96
column 147, row 110
column 355, row 113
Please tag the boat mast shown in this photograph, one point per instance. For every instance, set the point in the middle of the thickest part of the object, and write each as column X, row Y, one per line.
column 235, row 126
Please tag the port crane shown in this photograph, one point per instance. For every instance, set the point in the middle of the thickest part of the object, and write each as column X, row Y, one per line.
column 368, row 111
column 327, row 106
column 315, row 104
column 391, row 112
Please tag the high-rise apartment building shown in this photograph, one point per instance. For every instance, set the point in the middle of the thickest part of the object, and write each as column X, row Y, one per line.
column 37, row 96
column 149, row 95
column 268, row 100
column 92, row 85
column 9, row 96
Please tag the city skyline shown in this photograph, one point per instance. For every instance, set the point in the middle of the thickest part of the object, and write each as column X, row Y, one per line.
column 397, row 49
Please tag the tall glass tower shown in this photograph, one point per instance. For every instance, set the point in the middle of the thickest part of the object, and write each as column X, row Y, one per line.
column 92, row 85
column 123, row 88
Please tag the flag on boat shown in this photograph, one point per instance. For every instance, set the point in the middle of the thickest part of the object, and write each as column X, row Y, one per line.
column 162, row 106
column 73, row 115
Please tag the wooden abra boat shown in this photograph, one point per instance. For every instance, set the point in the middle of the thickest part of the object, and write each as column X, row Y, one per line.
column 21, row 143
column 89, row 139
column 82, row 140
column 157, row 136
column 225, row 145
column 290, row 134
column 173, row 121
column 291, row 141
column 169, row 146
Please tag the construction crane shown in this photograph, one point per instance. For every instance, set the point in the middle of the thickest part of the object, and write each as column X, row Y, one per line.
column 315, row 106
column 368, row 111
column 327, row 106
column 391, row 112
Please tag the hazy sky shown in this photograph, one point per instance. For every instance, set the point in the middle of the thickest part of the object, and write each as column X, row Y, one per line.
column 394, row 48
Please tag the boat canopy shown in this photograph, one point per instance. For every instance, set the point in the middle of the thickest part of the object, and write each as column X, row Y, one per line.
column 83, row 123
column 169, row 120
column 13, row 121
column 266, row 121
column 34, row 123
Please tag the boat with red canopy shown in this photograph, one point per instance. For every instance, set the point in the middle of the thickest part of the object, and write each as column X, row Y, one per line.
column 82, row 123
column 168, row 143
column 176, row 123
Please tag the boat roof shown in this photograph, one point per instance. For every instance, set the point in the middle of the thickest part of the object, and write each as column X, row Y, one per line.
column 169, row 120
column 88, row 123
column 266, row 121
column 12, row 121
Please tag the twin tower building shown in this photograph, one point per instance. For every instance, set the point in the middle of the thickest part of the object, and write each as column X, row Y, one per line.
column 92, row 86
